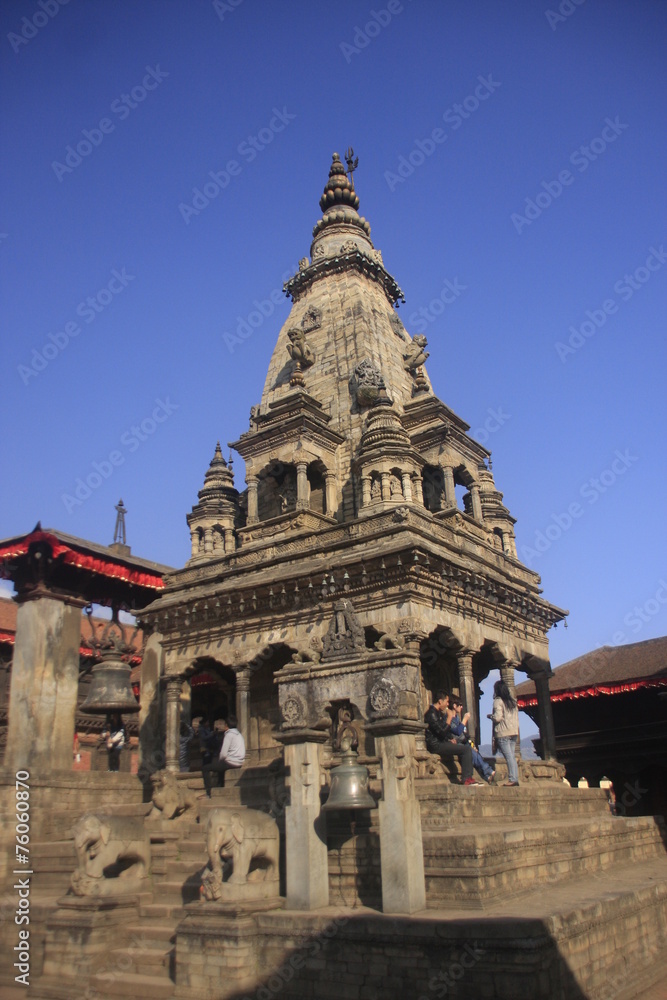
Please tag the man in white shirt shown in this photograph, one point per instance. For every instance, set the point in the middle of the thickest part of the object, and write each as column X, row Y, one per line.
column 232, row 754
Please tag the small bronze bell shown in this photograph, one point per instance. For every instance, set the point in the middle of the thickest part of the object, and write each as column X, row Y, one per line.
column 349, row 783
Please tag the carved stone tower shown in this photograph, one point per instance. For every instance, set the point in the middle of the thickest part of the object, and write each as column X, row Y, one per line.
column 348, row 563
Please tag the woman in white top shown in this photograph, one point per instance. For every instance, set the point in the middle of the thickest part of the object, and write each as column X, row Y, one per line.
column 506, row 721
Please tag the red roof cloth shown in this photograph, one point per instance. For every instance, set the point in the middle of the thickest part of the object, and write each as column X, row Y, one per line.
column 85, row 555
column 605, row 671
column 8, row 611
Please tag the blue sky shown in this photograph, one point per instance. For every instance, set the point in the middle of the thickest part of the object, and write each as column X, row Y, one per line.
column 532, row 148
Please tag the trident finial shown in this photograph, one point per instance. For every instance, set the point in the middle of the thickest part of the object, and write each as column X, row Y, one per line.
column 352, row 162
column 119, row 530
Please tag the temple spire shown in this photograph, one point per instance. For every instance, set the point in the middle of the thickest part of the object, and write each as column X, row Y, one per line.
column 119, row 543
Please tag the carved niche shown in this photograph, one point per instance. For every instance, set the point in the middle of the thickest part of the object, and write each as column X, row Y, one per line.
column 345, row 635
column 369, row 383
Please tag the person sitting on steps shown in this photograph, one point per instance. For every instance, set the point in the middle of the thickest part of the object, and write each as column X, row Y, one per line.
column 441, row 740
column 232, row 754
column 458, row 726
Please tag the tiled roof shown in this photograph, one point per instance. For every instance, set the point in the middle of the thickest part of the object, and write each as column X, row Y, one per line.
column 608, row 665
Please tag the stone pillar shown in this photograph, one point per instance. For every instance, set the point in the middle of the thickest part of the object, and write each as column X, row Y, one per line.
column 511, row 544
column 253, row 509
column 243, row 701
column 450, row 492
column 365, row 491
column 151, row 714
column 476, row 502
column 302, row 502
column 467, row 691
column 544, row 715
column 386, row 488
column 44, row 685
column 401, row 848
column 331, row 499
column 418, row 489
column 194, row 542
column 229, row 540
column 172, row 721
column 208, row 540
column 305, row 827
column 407, row 486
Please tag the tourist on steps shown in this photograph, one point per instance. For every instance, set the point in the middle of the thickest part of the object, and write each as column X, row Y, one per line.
column 458, row 727
column 506, row 722
column 441, row 740
column 232, row 754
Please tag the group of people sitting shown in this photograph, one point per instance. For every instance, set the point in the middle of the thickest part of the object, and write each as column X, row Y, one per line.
column 221, row 744
column 447, row 734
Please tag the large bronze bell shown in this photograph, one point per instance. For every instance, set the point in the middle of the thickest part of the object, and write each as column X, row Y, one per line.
column 349, row 783
column 110, row 689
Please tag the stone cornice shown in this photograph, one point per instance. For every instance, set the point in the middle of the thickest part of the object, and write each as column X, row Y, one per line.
column 353, row 261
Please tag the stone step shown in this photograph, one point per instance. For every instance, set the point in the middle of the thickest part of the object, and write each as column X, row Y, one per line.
column 154, row 934
column 178, row 892
column 139, row 959
column 478, row 864
column 123, row 984
column 444, row 803
column 162, row 911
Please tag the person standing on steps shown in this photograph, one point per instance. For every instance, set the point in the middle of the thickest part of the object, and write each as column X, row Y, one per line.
column 506, row 728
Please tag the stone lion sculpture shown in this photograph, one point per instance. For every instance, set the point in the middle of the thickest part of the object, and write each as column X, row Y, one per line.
column 416, row 353
column 298, row 349
column 169, row 797
column 113, row 854
column 244, row 836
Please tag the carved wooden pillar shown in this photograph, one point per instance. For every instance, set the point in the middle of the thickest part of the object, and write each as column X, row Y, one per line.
column 450, row 492
column 253, row 508
column 386, row 488
column 305, row 828
column 243, row 701
column 407, row 486
column 476, row 502
column 173, row 685
column 365, row 491
column 418, row 489
column 331, row 500
column 467, row 691
column 302, row 486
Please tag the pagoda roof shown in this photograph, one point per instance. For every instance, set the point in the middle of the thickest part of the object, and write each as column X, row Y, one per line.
column 608, row 670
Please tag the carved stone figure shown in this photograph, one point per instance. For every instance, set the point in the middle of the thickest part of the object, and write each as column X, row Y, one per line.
column 312, row 319
column 416, row 354
column 345, row 634
column 113, row 853
column 170, row 799
column 294, row 712
column 245, row 836
column 369, row 383
column 384, row 696
column 298, row 349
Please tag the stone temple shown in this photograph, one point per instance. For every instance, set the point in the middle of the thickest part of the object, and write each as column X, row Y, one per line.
column 324, row 605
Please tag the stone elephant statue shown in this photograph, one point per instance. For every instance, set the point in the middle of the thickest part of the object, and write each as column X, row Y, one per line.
column 113, row 853
column 244, row 835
